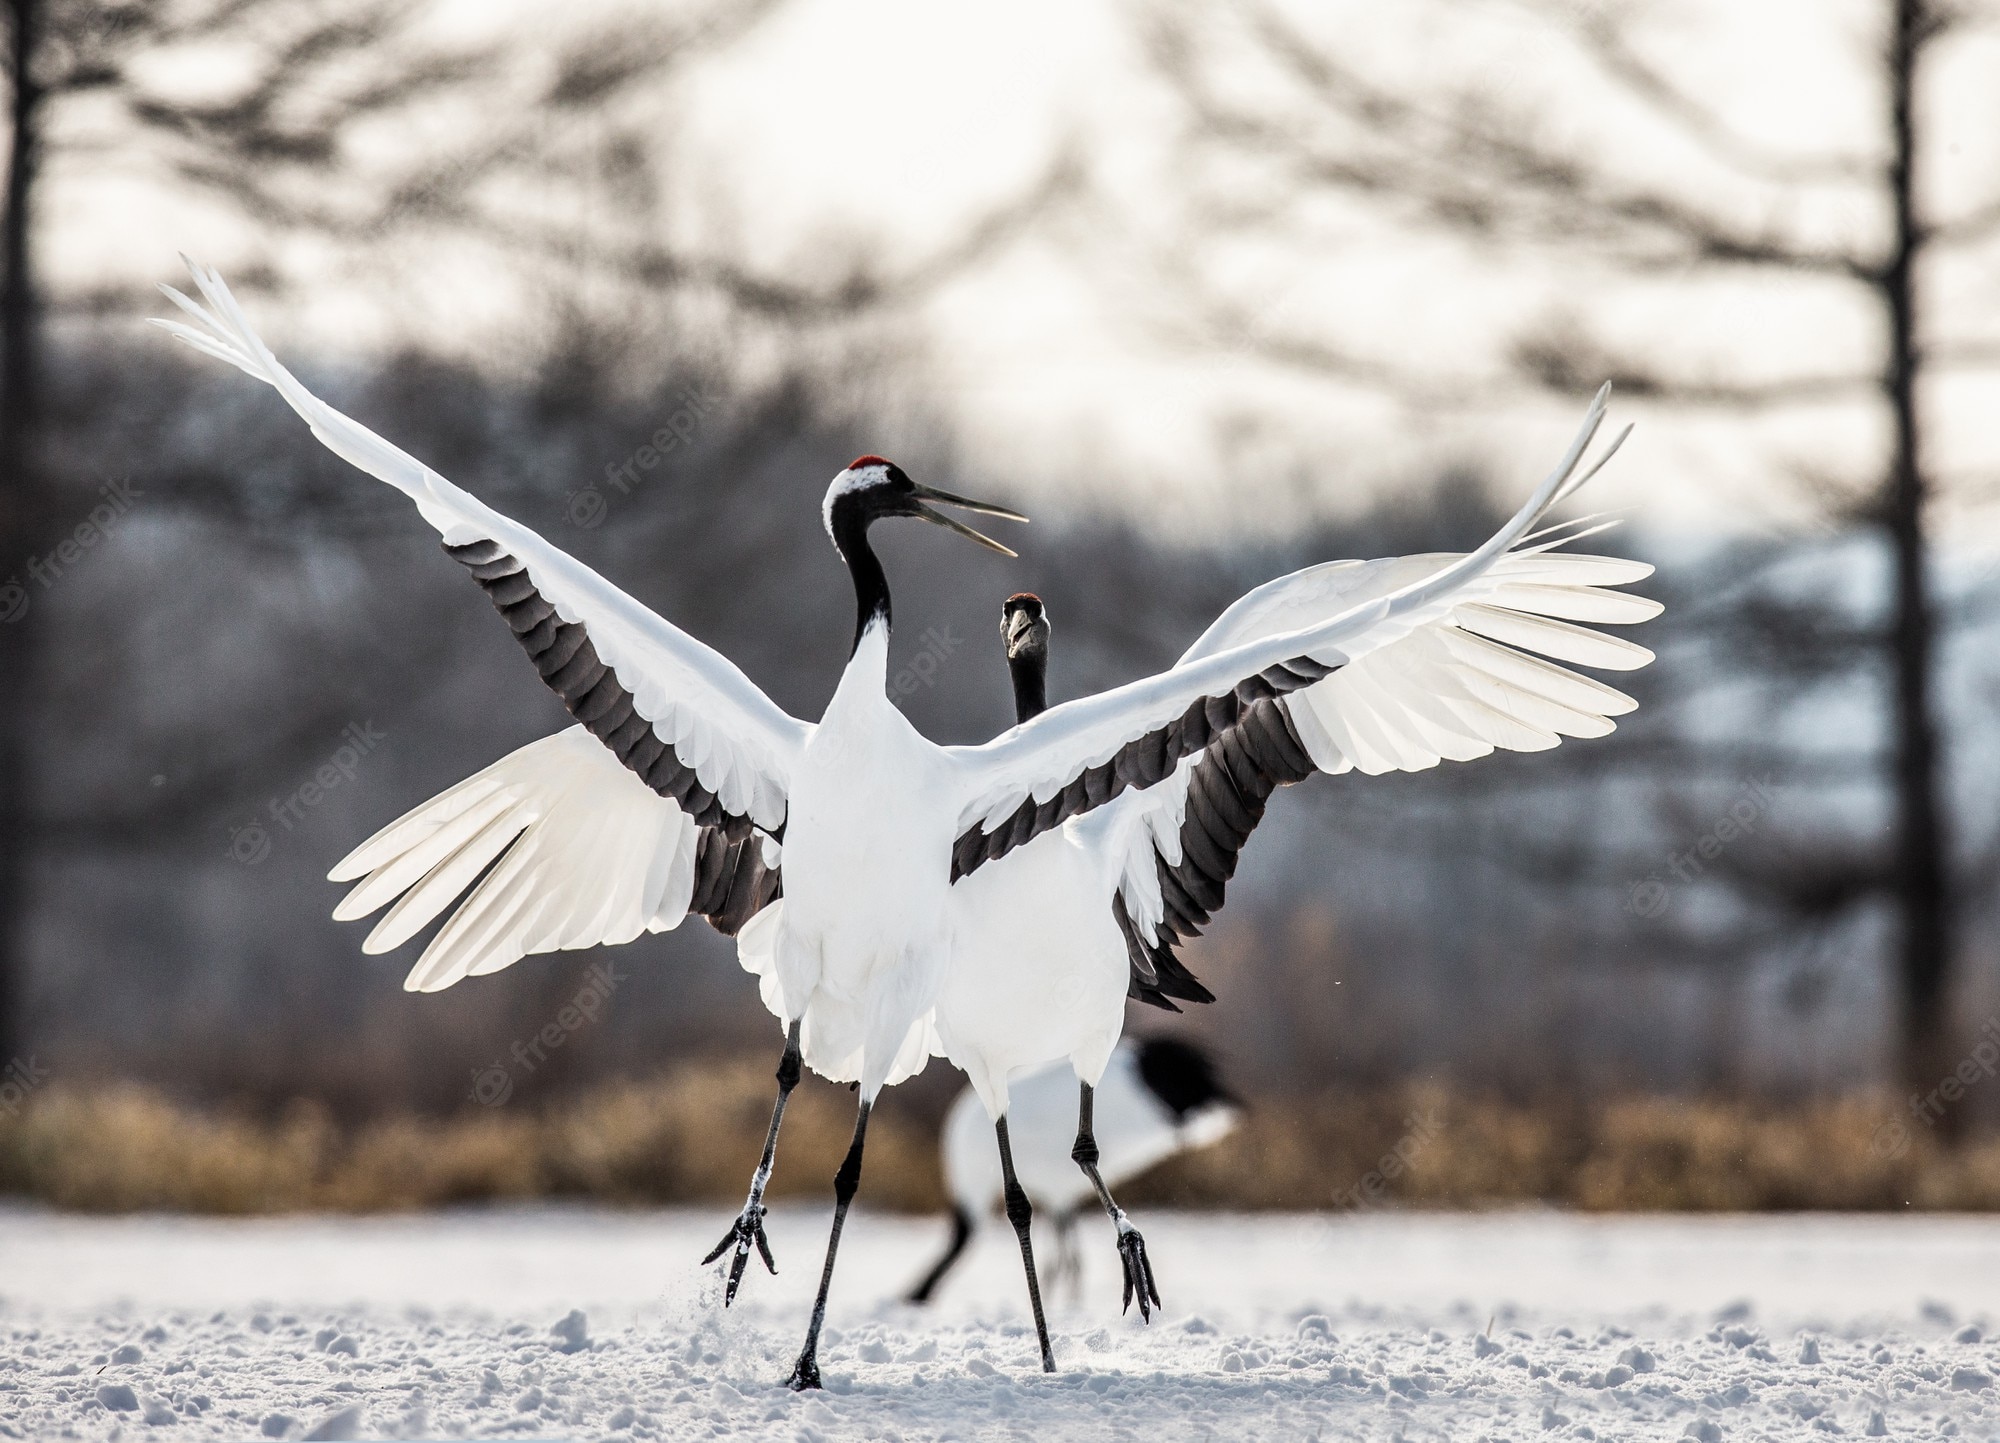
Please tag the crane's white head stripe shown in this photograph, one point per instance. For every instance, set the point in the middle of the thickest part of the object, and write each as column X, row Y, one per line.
column 863, row 474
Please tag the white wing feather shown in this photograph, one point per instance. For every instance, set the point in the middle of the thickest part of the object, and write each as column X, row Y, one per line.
column 588, row 855
column 1470, row 680
column 748, row 743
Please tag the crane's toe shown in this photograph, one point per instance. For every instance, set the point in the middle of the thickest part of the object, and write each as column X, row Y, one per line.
column 1138, row 1273
column 744, row 1234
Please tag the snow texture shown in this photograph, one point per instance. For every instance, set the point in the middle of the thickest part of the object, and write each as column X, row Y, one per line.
column 587, row 1324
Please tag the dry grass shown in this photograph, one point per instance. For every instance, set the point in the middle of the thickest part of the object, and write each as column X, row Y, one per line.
column 692, row 1137
column 1632, row 1154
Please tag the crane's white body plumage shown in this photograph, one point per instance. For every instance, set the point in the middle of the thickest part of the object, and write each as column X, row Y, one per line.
column 861, row 939
column 1040, row 969
column 1036, row 981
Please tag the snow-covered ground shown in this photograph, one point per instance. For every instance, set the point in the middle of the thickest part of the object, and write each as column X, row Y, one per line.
column 1518, row 1325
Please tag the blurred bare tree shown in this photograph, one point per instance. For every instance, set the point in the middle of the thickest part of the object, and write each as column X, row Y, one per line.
column 284, row 122
column 1271, row 93
column 307, row 74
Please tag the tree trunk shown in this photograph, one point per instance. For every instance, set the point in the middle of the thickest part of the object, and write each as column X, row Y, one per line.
column 23, row 513
column 1922, row 888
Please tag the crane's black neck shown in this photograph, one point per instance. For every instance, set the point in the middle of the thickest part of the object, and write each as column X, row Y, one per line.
column 871, row 586
column 1030, row 670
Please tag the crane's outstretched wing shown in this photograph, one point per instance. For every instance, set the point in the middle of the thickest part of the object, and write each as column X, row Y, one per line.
column 567, row 849
column 1077, row 756
column 1457, row 688
column 678, row 713
column 714, row 751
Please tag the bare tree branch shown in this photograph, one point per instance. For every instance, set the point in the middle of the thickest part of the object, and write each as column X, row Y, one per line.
column 1566, row 360
column 652, row 264
column 1460, row 166
column 1977, row 355
column 1562, row 360
column 1601, row 40
column 1967, row 228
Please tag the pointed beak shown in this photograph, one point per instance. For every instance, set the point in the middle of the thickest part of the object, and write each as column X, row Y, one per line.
column 982, row 508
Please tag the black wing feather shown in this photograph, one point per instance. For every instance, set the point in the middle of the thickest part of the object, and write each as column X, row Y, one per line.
column 732, row 883
column 1227, row 792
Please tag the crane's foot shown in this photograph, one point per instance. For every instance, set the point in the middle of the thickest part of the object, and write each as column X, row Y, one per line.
column 805, row 1372
column 1138, row 1272
column 744, row 1234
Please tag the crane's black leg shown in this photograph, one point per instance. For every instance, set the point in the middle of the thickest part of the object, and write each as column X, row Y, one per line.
column 1131, row 1247
column 1020, row 1212
column 748, row 1229
column 961, row 1234
column 805, row 1373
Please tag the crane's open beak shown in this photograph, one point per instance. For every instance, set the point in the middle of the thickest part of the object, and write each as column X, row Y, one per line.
column 983, row 508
